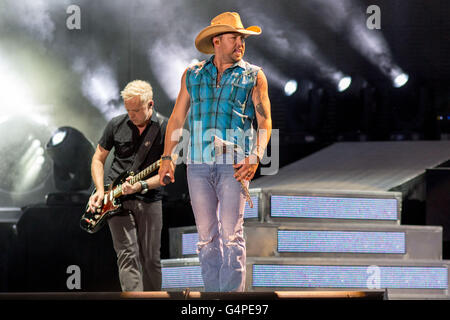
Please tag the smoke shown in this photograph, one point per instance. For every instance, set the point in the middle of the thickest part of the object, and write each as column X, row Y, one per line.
column 31, row 15
column 334, row 13
column 173, row 51
column 12, row 88
column 99, row 85
column 370, row 44
column 44, row 22
column 169, row 61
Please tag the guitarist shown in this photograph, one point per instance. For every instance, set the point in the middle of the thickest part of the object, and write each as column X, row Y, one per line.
column 136, row 230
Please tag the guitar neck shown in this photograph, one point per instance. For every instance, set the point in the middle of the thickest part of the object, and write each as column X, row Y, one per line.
column 141, row 175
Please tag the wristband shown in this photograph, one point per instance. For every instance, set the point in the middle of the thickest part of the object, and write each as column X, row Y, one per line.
column 166, row 158
column 144, row 187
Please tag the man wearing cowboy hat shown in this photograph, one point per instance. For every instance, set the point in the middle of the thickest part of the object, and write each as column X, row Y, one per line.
column 224, row 94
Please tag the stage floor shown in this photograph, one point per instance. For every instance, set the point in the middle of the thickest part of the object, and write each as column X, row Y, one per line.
column 196, row 295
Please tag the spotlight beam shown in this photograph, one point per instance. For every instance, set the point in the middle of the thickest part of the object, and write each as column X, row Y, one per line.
column 296, row 46
column 348, row 17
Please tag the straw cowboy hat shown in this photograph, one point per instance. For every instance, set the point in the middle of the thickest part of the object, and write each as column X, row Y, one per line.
column 223, row 23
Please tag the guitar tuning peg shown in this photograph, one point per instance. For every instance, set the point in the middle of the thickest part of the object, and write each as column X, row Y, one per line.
column 131, row 173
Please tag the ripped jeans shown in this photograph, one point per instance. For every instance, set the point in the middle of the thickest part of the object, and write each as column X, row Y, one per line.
column 218, row 204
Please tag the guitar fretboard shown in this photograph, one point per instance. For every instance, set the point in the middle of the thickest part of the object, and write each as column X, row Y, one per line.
column 141, row 175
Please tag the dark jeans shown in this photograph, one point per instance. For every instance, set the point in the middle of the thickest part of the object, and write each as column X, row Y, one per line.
column 136, row 235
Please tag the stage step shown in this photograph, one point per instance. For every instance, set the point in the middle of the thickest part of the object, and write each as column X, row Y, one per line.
column 388, row 241
column 401, row 278
column 327, row 206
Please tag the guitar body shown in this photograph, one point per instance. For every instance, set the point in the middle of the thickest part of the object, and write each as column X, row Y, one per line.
column 93, row 222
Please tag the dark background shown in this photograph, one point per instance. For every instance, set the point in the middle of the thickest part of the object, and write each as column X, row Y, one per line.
column 51, row 76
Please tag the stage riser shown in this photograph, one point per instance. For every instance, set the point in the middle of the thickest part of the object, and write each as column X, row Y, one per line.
column 414, row 278
column 325, row 206
column 325, row 240
column 343, row 276
column 329, row 240
column 333, row 208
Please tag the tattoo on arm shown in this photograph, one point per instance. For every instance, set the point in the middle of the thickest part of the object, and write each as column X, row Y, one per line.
column 261, row 111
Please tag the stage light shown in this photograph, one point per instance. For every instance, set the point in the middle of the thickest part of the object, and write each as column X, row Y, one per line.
column 58, row 137
column 40, row 160
column 341, row 81
column 290, row 87
column 344, row 83
column 71, row 153
column 401, row 80
column 24, row 168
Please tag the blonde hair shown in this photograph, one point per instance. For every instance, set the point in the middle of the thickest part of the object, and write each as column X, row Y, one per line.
column 140, row 88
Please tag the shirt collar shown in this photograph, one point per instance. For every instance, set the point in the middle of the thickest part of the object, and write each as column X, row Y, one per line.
column 209, row 65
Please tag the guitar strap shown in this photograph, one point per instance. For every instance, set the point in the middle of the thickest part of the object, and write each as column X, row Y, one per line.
column 146, row 144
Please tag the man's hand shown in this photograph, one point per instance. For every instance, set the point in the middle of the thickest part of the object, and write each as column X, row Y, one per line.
column 95, row 201
column 166, row 172
column 246, row 169
column 127, row 188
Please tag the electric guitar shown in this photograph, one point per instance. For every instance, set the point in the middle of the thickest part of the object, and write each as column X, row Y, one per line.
column 93, row 222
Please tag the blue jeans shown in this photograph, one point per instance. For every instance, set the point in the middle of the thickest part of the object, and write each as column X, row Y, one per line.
column 218, row 204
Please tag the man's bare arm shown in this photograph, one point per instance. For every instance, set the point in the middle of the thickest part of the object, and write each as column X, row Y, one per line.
column 152, row 183
column 260, row 98
column 173, row 132
column 97, row 172
column 261, row 101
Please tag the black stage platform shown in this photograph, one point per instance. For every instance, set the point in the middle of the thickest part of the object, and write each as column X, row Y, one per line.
column 196, row 295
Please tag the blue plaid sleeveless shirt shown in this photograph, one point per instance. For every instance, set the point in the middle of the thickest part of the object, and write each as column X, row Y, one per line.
column 225, row 111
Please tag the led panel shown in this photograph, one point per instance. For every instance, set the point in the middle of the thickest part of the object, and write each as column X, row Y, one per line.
column 341, row 241
column 369, row 277
column 251, row 212
column 181, row 277
column 333, row 208
column 189, row 243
